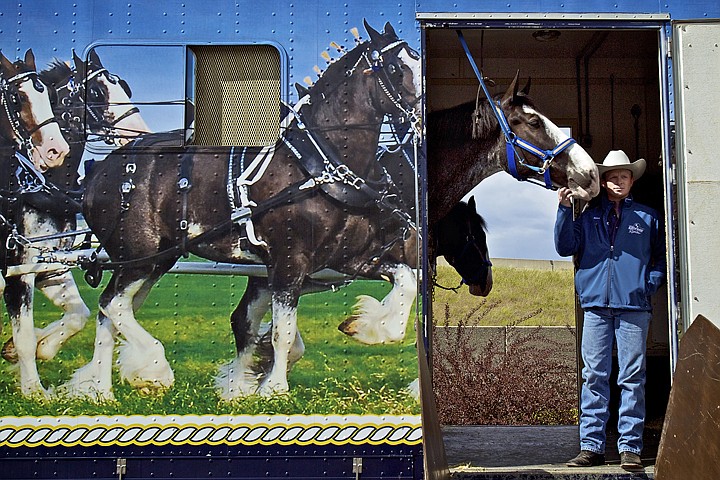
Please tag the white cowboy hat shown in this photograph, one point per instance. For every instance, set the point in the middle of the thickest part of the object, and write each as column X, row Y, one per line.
column 617, row 159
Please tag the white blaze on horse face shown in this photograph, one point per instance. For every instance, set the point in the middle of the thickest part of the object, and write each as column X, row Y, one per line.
column 50, row 147
column 119, row 104
column 413, row 63
column 582, row 172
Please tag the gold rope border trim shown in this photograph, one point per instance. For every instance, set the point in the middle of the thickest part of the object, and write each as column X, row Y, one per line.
column 206, row 430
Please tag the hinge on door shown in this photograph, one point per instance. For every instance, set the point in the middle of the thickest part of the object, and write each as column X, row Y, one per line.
column 674, row 174
column 669, row 47
column 357, row 467
column 120, row 467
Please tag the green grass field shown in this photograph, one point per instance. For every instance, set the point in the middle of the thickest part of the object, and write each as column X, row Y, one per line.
column 189, row 314
column 545, row 296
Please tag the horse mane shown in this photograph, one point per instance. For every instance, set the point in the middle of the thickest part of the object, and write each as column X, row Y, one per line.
column 462, row 211
column 338, row 67
column 456, row 122
column 56, row 73
column 470, row 212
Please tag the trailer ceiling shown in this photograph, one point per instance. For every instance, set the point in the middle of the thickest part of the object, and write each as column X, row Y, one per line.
column 520, row 42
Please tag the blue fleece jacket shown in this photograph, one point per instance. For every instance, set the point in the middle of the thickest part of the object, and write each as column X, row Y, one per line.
column 620, row 275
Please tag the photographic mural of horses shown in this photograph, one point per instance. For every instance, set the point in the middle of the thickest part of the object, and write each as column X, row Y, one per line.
column 460, row 237
column 90, row 100
column 319, row 185
column 27, row 125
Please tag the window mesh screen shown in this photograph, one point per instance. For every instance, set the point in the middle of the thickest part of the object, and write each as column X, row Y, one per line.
column 237, row 95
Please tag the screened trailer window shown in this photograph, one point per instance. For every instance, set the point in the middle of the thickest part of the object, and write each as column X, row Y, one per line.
column 235, row 95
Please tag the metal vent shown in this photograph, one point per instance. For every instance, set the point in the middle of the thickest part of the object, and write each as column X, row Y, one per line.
column 237, row 95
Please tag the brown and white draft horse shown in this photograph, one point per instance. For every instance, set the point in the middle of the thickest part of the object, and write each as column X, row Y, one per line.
column 90, row 100
column 29, row 128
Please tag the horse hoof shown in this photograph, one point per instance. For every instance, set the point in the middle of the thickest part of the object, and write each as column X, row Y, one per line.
column 349, row 326
column 9, row 353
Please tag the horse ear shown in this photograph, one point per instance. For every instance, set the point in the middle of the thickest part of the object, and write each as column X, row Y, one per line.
column 6, row 64
column 375, row 36
column 526, row 89
column 95, row 59
column 471, row 203
column 388, row 30
column 511, row 92
column 79, row 64
column 302, row 91
column 30, row 58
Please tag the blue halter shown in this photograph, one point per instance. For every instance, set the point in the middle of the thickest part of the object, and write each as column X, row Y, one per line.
column 512, row 141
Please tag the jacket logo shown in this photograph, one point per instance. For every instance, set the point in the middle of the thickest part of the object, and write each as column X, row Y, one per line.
column 635, row 229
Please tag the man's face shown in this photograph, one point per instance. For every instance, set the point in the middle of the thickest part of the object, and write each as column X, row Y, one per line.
column 618, row 184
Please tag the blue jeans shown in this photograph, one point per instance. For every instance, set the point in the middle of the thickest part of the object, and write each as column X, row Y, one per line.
column 629, row 329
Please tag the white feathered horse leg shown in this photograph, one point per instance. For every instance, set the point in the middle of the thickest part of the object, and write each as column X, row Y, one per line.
column 384, row 321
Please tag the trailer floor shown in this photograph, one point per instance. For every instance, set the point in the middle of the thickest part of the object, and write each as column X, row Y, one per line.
column 531, row 453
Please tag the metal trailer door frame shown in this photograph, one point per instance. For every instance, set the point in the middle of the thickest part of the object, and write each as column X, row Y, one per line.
column 696, row 59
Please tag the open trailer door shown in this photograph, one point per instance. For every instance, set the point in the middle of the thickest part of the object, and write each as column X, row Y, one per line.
column 696, row 54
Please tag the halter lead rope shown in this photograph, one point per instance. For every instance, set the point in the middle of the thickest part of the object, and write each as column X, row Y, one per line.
column 512, row 141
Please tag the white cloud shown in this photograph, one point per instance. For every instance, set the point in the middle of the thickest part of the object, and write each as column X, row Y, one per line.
column 520, row 217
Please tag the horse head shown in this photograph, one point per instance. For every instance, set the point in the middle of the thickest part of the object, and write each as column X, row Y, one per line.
column 111, row 114
column 461, row 238
column 572, row 167
column 27, row 120
column 397, row 70
column 379, row 77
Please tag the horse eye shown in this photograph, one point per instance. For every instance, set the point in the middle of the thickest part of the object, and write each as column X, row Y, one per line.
column 112, row 78
column 535, row 123
column 412, row 53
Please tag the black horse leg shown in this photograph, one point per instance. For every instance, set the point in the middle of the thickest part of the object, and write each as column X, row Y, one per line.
column 249, row 330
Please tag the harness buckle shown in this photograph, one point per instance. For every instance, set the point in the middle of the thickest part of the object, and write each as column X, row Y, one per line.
column 127, row 187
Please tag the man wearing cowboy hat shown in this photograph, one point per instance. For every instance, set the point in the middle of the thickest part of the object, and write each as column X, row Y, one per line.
column 620, row 258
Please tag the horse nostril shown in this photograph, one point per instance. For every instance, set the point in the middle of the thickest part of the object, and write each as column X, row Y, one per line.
column 53, row 154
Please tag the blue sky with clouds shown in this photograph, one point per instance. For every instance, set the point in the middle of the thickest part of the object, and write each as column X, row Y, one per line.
column 520, row 217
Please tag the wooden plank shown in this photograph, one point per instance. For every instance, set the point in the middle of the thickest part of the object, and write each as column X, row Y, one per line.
column 690, row 441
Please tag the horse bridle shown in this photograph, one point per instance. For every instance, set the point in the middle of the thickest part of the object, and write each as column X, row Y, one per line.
column 78, row 92
column 471, row 243
column 22, row 135
column 512, row 141
column 376, row 64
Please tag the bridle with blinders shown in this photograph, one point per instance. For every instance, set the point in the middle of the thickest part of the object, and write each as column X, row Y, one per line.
column 10, row 101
